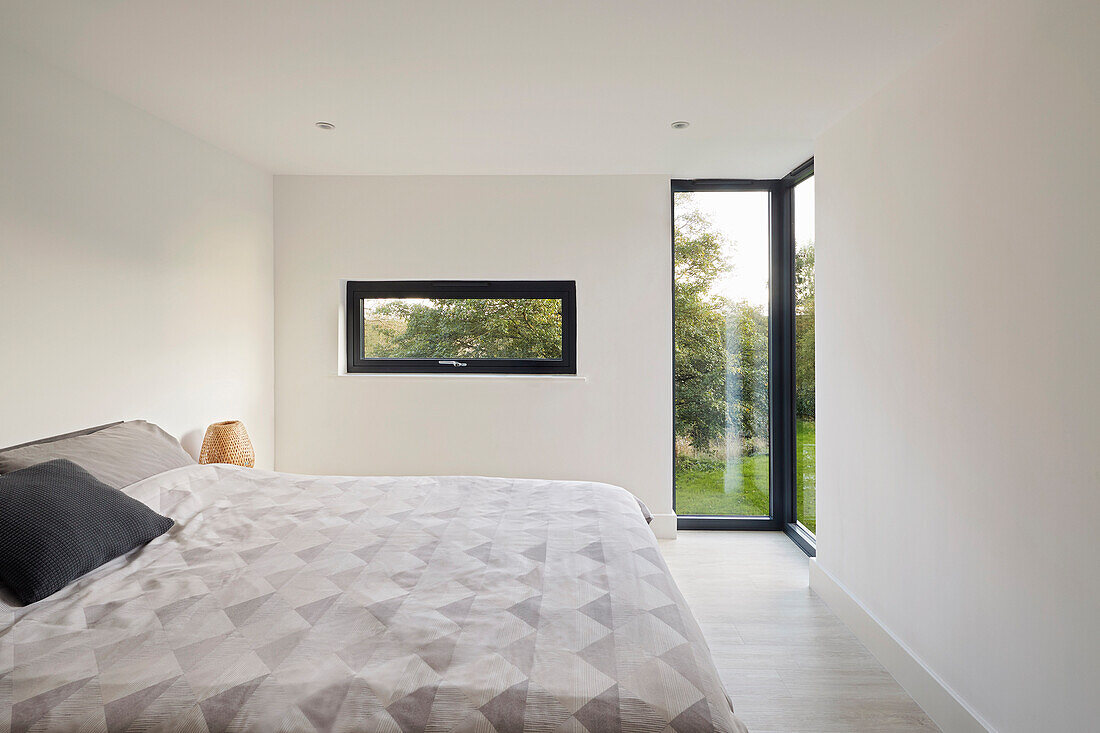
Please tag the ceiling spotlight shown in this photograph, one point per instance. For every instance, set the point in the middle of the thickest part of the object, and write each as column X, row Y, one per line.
column 680, row 124
column 325, row 125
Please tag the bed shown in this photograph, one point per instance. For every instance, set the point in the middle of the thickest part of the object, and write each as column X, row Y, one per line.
column 281, row 602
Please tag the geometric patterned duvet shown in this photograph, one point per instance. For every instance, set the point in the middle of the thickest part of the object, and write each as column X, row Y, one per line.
column 297, row 603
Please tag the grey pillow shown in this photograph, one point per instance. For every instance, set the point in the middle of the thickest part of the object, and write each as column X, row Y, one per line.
column 118, row 455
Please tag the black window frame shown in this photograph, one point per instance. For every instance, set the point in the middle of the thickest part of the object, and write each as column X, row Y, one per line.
column 781, row 335
column 358, row 290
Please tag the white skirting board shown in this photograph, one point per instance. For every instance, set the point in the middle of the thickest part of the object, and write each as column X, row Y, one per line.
column 664, row 526
column 935, row 697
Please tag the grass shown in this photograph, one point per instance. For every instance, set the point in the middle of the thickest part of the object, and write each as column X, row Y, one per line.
column 705, row 485
column 805, row 474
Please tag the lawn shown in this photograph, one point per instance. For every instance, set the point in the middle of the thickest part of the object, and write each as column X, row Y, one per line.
column 704, row 486
column 805, row 474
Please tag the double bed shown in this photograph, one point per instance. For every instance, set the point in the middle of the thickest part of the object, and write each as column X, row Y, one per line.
column 281, row 602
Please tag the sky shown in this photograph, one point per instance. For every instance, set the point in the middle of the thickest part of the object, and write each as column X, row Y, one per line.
column 742, row 216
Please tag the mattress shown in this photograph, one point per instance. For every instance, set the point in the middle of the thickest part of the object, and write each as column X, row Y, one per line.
column 281, row 602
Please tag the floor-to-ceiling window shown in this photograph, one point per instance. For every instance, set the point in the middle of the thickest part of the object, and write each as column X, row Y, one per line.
column 805, row 473
column 743, row 354
column 721, row 253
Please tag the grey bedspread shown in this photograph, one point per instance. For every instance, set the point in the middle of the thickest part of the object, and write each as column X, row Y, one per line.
column 296, row 603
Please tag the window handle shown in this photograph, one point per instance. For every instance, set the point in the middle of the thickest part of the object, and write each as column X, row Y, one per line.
column 453, row 363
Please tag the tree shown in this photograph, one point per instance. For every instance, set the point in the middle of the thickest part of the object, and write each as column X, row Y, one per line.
column 699, row 362
column 471, row 328
column 720, row 368
column 804, row 372
column 747, row 374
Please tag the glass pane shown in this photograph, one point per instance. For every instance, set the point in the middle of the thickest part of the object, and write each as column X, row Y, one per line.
column 721, row 365
column 462, row 328
column 805, row 475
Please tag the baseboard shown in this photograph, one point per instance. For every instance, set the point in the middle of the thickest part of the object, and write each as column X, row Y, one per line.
column 935, row 697
column 664, row 526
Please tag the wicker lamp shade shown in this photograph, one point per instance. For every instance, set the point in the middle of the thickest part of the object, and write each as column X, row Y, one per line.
column 227, row 442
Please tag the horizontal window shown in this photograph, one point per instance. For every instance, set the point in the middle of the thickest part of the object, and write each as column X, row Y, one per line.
column 462, row 326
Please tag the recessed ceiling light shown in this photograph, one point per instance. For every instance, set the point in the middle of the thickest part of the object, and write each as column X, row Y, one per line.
column 325, row 125
column 680, row 124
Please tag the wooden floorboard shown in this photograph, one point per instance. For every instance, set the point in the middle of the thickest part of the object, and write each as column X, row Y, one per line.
column 788, row 663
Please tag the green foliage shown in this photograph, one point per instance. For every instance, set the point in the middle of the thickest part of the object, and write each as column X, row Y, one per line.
column 699, row 398
column 474, row 328
column 699, row 388
column 720, row 374
column 747, row 366
column 804, row 373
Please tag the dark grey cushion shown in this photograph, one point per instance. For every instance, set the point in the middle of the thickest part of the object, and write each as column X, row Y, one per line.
column 58, row 522
column 117, row 455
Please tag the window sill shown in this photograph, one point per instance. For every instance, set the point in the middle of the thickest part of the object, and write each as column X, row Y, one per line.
column 463, row 377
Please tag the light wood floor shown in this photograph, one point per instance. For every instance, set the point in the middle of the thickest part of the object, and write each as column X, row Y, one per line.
column 788, row 663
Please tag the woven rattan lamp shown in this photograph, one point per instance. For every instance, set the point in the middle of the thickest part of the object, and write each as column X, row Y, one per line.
column 227, row 442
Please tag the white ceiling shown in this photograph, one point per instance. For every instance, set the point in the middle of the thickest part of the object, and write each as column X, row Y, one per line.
column 491, row 86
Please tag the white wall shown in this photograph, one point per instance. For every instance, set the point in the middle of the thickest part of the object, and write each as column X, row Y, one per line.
column 610, row 234
column 958, row 348
column 135, row 269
